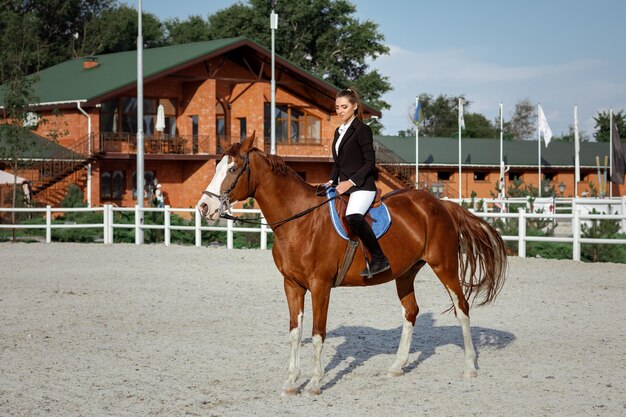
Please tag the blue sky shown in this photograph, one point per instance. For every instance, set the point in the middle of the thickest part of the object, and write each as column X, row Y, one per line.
column 557, row 52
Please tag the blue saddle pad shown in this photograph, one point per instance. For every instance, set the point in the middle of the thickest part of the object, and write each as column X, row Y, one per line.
column 381, row 219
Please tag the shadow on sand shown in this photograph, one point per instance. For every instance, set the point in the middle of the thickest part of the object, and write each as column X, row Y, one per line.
column 362, row 343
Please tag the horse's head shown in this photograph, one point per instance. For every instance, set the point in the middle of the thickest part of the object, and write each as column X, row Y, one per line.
column 231, row 182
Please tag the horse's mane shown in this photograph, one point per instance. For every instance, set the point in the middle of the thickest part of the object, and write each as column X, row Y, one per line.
column 277, row 164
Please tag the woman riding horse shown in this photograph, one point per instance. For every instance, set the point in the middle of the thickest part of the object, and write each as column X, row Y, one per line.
column 465, row 252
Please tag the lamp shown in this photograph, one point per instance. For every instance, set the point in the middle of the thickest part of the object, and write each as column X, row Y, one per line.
column 561, row 188
column 437, row 188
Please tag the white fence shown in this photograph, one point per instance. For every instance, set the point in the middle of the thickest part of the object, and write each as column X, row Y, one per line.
column 579, row 214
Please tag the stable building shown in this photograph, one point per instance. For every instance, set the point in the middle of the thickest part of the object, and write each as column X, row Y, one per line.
column 198, row 98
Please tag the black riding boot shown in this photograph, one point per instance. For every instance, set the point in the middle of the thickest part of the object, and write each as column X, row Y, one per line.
column 363, row 230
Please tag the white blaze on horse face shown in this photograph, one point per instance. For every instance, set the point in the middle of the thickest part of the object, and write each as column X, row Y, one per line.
column 212, row 203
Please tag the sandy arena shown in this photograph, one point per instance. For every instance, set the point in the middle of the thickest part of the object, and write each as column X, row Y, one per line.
column 125, row 330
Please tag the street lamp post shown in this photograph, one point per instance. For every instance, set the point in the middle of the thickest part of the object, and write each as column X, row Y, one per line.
column 273, row 27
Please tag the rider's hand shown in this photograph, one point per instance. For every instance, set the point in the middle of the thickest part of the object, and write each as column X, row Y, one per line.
column 344, row 186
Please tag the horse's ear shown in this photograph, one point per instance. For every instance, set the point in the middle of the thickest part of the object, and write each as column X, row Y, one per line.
column 248, row 143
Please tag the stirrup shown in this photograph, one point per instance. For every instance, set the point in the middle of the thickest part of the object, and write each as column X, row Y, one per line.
column 369, row 272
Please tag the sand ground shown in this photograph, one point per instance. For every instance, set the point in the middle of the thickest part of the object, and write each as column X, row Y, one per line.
column 125, row 330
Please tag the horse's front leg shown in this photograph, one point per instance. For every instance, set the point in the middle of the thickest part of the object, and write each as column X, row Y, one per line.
column 320, row 295
column 295, row 299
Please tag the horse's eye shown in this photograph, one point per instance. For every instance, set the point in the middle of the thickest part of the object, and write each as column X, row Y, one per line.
column 231, row 169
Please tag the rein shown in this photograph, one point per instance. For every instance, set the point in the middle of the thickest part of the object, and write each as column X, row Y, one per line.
column 224, row 206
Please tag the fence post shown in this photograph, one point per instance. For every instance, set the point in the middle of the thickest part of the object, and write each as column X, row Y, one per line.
column 105, row 224
column 168, row 223
column 521, row 239
column 263, row 234
column 229, row 234
column 198, row 224
column 138, row 228
column 576, row 234
column 48, row 223
column 111, row 222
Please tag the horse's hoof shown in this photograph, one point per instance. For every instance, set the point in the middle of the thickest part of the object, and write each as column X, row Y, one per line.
column 470, row 373
column 289, row 392
column 395, row 372
column 313, row 391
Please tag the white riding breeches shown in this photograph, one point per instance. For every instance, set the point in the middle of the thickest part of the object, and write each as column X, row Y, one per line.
column 360, row 201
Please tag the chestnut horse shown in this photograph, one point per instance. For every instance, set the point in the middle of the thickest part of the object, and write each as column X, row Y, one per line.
column 466, row 253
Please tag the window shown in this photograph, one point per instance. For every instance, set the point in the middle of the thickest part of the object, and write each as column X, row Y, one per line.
column 443, row 175
column 515, row 176
column 293, row 125
column 220, row 120
column 120, row 115
column 243, row 128
column 549, row 176
column 148, row 181
column 480, row 176
column 109, row 116
column 112, row 185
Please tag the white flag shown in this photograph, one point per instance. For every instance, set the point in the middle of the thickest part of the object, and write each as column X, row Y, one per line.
column 461, row 119
column 576, row 145
column 544, row 128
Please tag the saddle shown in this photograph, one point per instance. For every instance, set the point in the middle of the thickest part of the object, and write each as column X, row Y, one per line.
column 377, row 216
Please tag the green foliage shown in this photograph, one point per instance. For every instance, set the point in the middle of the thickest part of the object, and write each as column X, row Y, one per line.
column 603, row 127
column 321, row 36
column 602, row 229
column 194, row 29
column 74, row 197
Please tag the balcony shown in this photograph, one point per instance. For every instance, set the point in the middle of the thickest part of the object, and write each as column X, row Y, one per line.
column 126, row 143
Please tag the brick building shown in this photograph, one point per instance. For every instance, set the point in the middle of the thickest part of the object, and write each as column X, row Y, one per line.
column 203, row 95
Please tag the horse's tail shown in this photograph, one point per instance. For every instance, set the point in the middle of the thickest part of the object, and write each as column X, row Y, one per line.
column 482, row 255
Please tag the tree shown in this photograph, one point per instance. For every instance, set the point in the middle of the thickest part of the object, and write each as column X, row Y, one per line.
column 569, row 136
column 441, row 115
column 478, row 126
column 603, row 128
column 320, row 36
column 194, row 29
column 522, row 125
column 115, row 30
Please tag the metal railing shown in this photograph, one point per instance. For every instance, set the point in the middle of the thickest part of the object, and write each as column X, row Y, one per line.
column 108, row 225
column 156, row 145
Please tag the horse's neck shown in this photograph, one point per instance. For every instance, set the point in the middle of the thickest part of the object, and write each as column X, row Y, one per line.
column 280, row 197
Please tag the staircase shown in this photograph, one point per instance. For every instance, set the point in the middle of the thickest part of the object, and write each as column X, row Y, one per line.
column 49, row 176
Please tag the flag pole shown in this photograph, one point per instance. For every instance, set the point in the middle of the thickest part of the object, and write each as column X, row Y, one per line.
column 501, row 151
column 417, row 145
column 539, row 147
column 576, row 152
column 140, row 174
column 611, row 152
column 460, row 118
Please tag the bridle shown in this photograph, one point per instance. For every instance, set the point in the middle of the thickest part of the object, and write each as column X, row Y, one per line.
column 224, row 202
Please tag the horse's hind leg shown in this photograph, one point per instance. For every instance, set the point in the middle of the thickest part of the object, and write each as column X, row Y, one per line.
column 295, row 300
column 449, row 276
column 406, row 294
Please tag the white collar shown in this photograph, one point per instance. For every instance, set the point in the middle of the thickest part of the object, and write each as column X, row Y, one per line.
column 345, row 126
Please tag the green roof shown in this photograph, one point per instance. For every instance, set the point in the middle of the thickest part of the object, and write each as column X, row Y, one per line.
column 40, row 148
column 486, row 152
column 69, row 81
